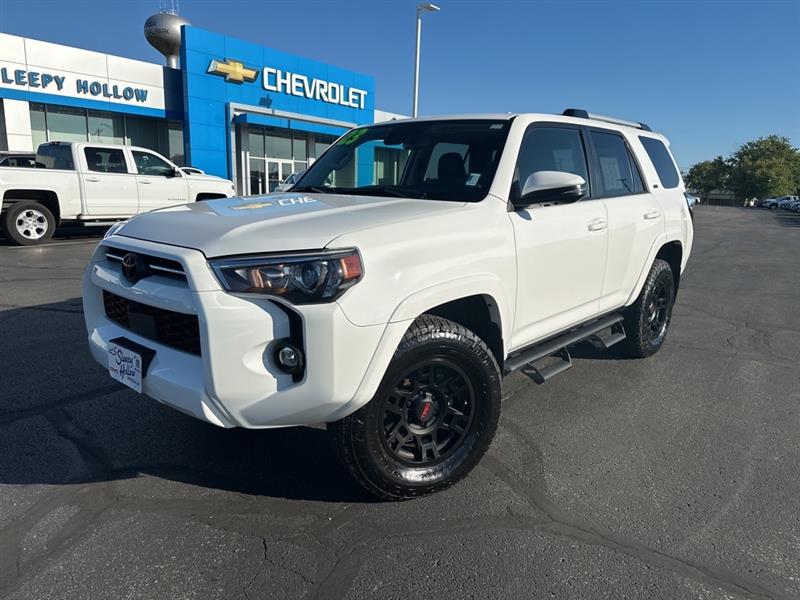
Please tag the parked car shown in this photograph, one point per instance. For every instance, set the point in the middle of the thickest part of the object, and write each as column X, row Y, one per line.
column 794, row 206
column 390, row 309
column 18, row 159
column 785, row 202
column 770, row 203
column 287, row 183
column 91, row 184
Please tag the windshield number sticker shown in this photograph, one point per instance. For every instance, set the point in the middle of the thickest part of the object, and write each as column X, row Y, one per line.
column 353, row 136
column 473, row 179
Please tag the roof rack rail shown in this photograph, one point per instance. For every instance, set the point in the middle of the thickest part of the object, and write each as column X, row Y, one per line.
column 583, row 114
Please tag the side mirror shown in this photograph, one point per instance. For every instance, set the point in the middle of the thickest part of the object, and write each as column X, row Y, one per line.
column 175, row 172
column 551, row 186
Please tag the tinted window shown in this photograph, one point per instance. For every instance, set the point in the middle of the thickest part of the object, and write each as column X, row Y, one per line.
column 438, row 160
column 549, row 149
column 55, row 156
column 105, row 160
column 662, row 161
column 150, row 164
column 613, row 165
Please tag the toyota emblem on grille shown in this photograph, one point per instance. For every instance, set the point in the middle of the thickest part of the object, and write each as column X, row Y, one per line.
column 133, row 267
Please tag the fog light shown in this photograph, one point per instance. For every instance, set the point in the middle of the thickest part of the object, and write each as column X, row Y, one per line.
column 289, row 358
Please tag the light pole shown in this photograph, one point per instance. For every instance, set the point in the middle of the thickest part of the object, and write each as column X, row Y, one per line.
column 420, row 9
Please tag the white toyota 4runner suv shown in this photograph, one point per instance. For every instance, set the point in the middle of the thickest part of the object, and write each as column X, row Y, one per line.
column 387, row 293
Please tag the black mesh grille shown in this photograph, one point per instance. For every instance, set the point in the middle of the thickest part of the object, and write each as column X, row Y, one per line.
column 174, row 329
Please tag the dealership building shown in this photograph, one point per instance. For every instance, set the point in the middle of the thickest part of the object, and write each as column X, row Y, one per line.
column 232, row 108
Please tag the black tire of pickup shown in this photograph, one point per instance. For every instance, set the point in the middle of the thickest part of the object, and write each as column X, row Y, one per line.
column 409, row 440
column 647, row 320
column 25, row 216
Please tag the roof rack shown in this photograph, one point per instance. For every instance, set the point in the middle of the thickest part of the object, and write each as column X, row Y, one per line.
column 583, row 114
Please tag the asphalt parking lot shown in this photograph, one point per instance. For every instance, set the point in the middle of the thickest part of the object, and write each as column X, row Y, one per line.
column 672, row 477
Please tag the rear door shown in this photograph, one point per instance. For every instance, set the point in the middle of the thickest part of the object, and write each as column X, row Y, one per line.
column 635, row 218
column 159, row 183
column 109, row 188
column 561, row 248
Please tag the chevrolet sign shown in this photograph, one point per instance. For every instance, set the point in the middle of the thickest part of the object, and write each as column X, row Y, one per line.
column 295, row 84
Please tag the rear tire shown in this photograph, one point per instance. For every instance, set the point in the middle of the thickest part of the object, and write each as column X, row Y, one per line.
column 28, row 223
column 432, row 418
column 647, row 320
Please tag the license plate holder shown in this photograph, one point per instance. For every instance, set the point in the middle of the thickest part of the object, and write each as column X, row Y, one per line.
column 128, row 362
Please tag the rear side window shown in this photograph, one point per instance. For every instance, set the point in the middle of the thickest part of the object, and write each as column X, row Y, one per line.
column 662, row 161
column 55, row 157
column 618, row 174
column 105, row 160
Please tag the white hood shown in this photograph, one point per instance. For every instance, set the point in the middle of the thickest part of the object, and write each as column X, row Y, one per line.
column 274, row 223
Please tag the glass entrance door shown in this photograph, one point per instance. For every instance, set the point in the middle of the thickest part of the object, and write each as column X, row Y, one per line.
column 279, row 170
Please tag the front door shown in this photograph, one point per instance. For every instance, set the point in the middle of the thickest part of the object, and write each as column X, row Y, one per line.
column 109, row 188
column 158, row 182
column 561, row 248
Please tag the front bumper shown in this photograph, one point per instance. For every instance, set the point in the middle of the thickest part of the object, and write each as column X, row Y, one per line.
column 234, row 381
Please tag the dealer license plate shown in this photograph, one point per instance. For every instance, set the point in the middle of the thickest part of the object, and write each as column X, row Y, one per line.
column 125, row 366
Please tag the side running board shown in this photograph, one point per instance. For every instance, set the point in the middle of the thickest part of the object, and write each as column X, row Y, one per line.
column 603, row 333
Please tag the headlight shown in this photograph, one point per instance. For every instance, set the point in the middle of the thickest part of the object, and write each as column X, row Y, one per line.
column 115, row 228
column 300, row 278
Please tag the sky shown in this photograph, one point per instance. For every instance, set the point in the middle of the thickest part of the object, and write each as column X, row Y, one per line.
column 709, row 75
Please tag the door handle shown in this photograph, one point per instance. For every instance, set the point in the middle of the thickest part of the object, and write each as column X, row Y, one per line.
column 146, row 181
column 93, row 179
column 651, row 215
column 597, row 224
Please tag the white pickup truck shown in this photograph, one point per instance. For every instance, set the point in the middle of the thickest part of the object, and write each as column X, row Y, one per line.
column 388, row 300
column 94, row 184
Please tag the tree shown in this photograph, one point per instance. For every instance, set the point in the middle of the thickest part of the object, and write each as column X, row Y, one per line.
column 709, row 175
column 768, row 166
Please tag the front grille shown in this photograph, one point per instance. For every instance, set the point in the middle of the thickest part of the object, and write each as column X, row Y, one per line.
column 173, row 329
column 154, row 265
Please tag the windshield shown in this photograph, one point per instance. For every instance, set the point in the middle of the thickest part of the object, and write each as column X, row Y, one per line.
column 440, row 160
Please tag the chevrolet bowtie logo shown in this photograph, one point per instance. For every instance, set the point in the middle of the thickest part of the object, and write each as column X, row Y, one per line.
column 233, row 70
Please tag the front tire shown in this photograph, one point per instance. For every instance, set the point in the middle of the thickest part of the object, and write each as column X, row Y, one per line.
column 432, row 418
column 647, row 320
column 28, row 223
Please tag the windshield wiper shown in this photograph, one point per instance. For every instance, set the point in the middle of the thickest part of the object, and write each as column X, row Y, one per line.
column 314, row 189
column 387, row 190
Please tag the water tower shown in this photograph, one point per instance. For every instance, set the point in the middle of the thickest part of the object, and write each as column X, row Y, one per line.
column 163, row 31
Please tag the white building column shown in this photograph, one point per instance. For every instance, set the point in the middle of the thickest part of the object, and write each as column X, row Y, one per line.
column 15, row 126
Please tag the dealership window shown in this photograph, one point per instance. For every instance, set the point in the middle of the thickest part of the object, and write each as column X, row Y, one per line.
column 66, row 124
column 175, row 150
column 273, row 154
column 38, row 125
column 142, row 132
column 389, row 165
column 106, row 127
column 62, row 124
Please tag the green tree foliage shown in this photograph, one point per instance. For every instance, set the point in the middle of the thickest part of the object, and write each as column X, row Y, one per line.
column 709, row 175
column 768, row 166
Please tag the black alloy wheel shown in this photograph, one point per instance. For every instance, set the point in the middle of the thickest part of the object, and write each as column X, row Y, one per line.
column 432, row 417
column 657, row 310
column 428, row 413
column 647, row 320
